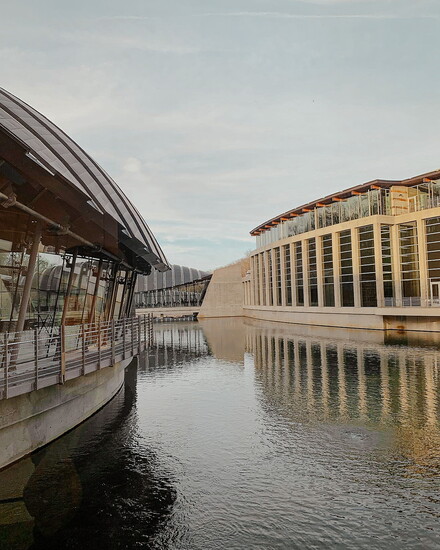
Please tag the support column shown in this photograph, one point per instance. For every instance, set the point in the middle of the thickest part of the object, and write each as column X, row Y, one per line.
column 378, row 265
column 283, row 276
column 29, row 276
column 266, row 269
column 305, row 261
column 356, row 266
column 293, row 274
column 395, row 259
column 95, row 293
column 336, row 258
column 69, row 287
column 261, row 290
column 252, row 270
column 274, row 277
column 423, row 262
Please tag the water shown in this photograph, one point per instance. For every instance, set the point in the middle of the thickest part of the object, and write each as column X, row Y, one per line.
column 246, row 435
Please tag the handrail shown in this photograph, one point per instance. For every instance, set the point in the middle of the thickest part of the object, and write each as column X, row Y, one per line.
column 34, row 359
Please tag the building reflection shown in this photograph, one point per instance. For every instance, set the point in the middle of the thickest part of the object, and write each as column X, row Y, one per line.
column 58, row 493
column 174, row 343
column 327, row 375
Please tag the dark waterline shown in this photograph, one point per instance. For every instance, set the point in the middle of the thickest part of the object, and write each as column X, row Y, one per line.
column 242, row 435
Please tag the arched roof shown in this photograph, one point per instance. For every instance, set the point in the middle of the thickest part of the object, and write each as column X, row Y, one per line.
column 50, row 146
column 178, row 275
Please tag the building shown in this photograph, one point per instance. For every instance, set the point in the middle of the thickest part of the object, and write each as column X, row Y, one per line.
column 71, row 248
column 368, row 256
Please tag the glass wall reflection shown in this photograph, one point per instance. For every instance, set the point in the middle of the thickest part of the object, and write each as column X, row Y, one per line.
column 328, row 375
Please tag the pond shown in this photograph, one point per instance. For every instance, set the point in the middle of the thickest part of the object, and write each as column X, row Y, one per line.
column 239, row 434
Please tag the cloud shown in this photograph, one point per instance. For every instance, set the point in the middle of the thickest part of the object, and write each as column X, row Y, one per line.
column 273, row 15
column 286, row 15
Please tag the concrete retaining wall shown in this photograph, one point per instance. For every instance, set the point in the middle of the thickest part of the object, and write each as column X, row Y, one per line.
column 32, row 420
column 224, row 297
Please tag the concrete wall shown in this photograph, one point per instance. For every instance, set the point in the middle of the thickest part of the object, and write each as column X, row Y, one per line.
column 328, row 317
column 32, row 420
column 224, row 297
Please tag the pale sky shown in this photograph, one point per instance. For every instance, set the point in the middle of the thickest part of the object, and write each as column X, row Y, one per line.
column 215, row 115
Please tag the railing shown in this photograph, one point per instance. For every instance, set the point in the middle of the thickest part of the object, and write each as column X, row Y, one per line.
column 34, row 359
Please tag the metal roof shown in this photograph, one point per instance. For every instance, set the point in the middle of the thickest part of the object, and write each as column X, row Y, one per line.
column 178, row 275
column 51, row 147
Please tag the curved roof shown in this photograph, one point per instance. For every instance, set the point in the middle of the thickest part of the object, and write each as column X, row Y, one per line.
column 341, row 195
column 178, row 275
column 50, row 146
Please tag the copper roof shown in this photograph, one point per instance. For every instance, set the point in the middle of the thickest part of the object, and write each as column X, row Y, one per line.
column 329, row 199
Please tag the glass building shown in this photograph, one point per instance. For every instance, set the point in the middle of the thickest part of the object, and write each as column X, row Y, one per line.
column 366, row 256
column 71, row 243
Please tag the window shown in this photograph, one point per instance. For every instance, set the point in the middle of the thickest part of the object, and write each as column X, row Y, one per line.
column 313, row 273
column 346, row 269
column 367, row 267
column 327, row 270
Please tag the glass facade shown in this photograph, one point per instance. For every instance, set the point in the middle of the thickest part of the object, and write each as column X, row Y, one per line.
column 433, row 248
column 327, row 271
column 299, row 274
column 288, row 274
column 278, row 288
column 346, row 269
column 263, row 278
column 64, row 288
column 375, row 265
column 360, row 205
column 312, row 272
column 269, row 277
column 367, row 266
column 256, row 260
column 409, row 264
column 387, row 265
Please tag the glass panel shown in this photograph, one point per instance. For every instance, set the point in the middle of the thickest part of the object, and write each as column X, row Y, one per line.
column 387, row 264
column 299, row 277
column 346, row 269
column 367, row 267
column 313, row 273
column 270, row 277
column 327, row 269
column 288, row 274
column 409, row 264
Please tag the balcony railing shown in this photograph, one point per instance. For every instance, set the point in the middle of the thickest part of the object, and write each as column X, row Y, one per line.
column 34, row 359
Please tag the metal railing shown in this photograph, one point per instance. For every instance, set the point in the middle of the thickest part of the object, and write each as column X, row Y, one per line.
column 34, row 359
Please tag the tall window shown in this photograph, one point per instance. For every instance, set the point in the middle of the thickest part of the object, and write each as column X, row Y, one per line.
column 288, row 274
column 270, row 276
column 387, row 264
column 327, row 268
column 367, row 267
column 313, row 273
column 433, row 247
column 263, row 278
column 346, row 269
column 409, row 263
column 299, row 274
column 277, row 277
column 433, row 257
column 256, row 280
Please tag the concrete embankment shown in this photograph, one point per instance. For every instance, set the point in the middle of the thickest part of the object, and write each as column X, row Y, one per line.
column 29, row 421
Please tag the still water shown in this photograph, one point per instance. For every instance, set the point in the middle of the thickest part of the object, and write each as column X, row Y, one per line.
column 235, row 434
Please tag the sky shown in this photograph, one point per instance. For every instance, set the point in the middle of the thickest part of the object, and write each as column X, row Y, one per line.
column 215, row 115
